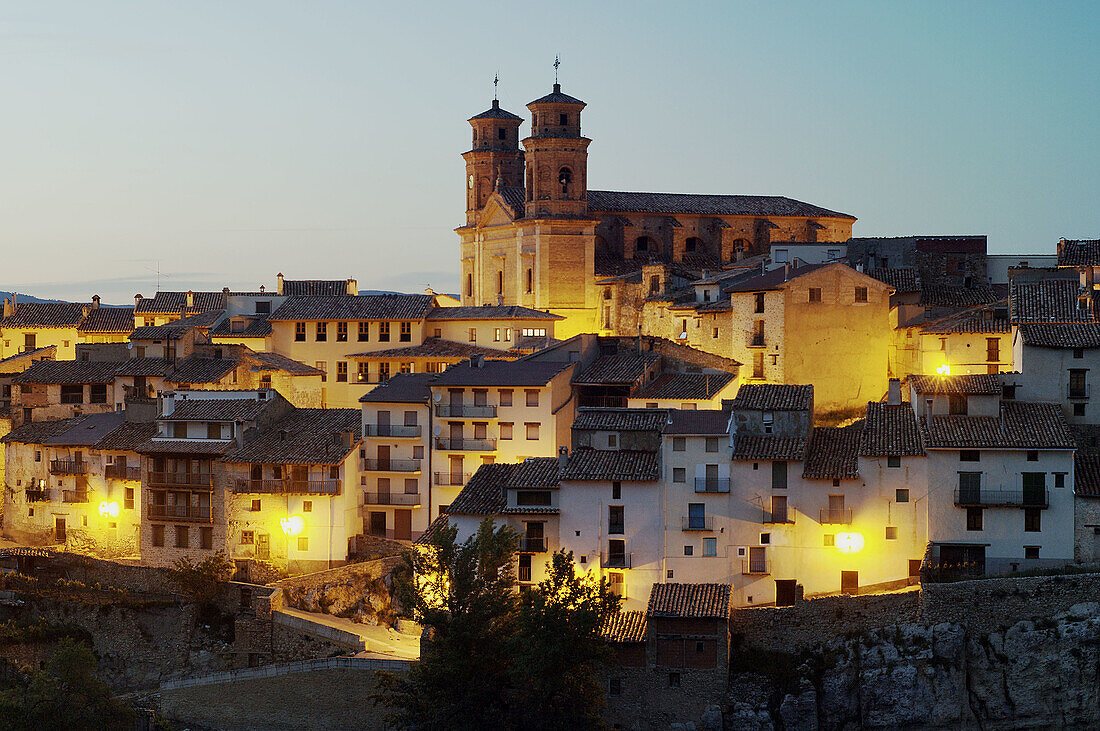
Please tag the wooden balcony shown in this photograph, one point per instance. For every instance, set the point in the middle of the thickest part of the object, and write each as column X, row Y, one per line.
column 38, row 496
column 188, row 513
column 68, row 467
column 616, row 560
column 756, row 567
column 778, row 516
column 287, row 487
column 189, row 480
column 74, row 496
column 122, row 472
column 835, row 516
column 532, row 545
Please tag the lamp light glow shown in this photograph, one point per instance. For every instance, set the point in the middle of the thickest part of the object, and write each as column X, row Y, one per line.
column 849, row 542
column 109, row 508
column 944, row 370
column 292, row 524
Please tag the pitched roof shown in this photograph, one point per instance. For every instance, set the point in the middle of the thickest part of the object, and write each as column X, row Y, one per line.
column 166, row 445
column 217, row 409
column 355, row 307
column 68, row 371
column 434, row 348
column 174, row 303
column 108, row 320
column 46, row 352
column 890, row 431
column 902, row 279
column 557, row 96
column 1068, row 335
column 1086, row 475
column 1079, row 252
column 1048, row 301
column 303, row 436
column 624, row 627
column 773, row 278
column 434, row 528
column 491, row 312
column 713, row 422
column 37, row 432
column 144, row 367
column 501, row 373
column 616, row 368
column 748, row 447
column 485, row 493
column 625, row 465
column 988, row 384
column 946, row 295
column 88, row 430
column 495, row 112
column 264, row 361
column 198, row 369
column 403, row 388
column 684, row 386
column 256, row 327
column 1021, row 425
column 689, row 600
column 315, row 287
column 774, row 397
column 709, row 205
column 980, row 319
column 128, row 436
column 833, row 453
column 45, row 314
column 607, row 419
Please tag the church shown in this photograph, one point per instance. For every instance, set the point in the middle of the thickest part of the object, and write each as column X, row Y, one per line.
column 537, row 236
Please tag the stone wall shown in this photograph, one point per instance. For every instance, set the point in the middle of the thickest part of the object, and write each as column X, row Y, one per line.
column 1086, row 540
column 359, row 591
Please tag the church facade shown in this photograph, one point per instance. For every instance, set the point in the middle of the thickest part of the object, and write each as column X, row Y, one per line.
column 537, row 236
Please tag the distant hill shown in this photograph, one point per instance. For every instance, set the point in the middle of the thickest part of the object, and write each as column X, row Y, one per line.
column 26, row 297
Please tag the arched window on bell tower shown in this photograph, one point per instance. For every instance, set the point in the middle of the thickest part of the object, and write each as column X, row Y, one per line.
column 565, row 180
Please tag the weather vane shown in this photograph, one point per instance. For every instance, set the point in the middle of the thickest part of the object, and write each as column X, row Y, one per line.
column 557, row 62
column 496, row 80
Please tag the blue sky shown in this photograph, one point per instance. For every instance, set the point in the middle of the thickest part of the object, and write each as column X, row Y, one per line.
column 224, row 142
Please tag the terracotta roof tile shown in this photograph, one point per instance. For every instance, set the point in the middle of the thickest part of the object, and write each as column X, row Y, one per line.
column 599, row 465
column 262, row 361
column 625, row 627
column 37, row 432
column 197, row 369
column 902, row 279
column 217, row 409
column 175, row 303
column 988, row 384
column 689, row 600
column 501, row 373
column 108, row 320
column 684, row 386
column 890, row 431
column 712, row 422
column 256, row 327
column 45, row 314
column 833, row 453
column 355, row 307
column 945, row 295
column 128, row 436
column 304, row 436
column 1021, row 425
column 491, row 312
column 1069, row 335
column 712, row 205
column 68, row 371
column 749, row 447
column 1086, row 475
column 434, row 529
column 1049, row 301
column 1079, row 252
column 774, row 397
column 617, row 368
column 435, row 348
column 495, row 112
column 603, row 419
column 315, row 287
column 403, row 388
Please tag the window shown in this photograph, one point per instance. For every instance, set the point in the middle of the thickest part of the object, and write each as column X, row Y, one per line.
column 715, row 332
column 615, row 520
column 322, row 332
column 861, row 294
column 182, row 537
column 383, row 332
column 256, row 505
column 469, row 285
column 534, row 332
column 973, row 518
column 1032, row 456
column 901, row 495
column 779, row 475
column 893, row 460
column 128, row 500
column 1059, row 479
column 1031, row 552
column 37, row 455
column 505, row 430
column 612, row 440
column 710, row 546
column 383, row 372
column 405, row 332
column 616, row 491
column 970, row 455
column 1078, row 353
column 247, row 538
column 362, row 371
column 679, row 444
column 532, row 430
column 496, row 334
column 72, row 393
column 992, row 349
column 759, row 302
column 697, row 516
column 712, row 444
column 213, row 430
column 158, row 535
column 206, row 538
column 956, row 404
column 689, row 550
column 473, row 335
column 179, row 430
column 530, row 280
column 1078, row 409
column 532, row 497
column 815, row 294
column 323, row 367
column 1078, row 386
column 303, row 543
column 342, row 371
column 758, row 364
column 505, row 397
column 364, row 332
column 98, row 393
column 307, row 505
column 829, row 540
column 891, row 533
column 263, row 307
column 532, row 397
column 1033, row 520
column 679, row 474
column 674, row 680
column 765, row 539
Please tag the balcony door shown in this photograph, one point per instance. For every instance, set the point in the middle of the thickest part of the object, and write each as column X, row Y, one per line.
column 1034, row 488
column 779, row 508
column 758, row 560
column 383, row 457
column 697, row 516
column 383, row 423
column 712, row 478
column 383, row 491
column 456, row 434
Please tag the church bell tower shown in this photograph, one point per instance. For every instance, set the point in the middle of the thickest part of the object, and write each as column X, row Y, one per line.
column 557, row 158
column 495, row 155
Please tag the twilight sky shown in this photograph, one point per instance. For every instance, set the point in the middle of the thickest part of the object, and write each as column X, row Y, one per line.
column 223, row 142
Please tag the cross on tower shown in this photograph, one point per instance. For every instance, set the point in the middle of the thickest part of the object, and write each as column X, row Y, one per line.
column 496, row 80
column 557, row 62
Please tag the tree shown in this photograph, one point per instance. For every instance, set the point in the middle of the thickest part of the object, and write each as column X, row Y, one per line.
column 201, row 581
column 492, row 657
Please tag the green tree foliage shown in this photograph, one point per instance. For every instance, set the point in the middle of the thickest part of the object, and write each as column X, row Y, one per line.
column 201, row 581
column 66, row 694
column 495, row 657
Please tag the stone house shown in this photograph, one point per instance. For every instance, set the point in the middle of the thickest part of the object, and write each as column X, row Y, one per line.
column 28, row 326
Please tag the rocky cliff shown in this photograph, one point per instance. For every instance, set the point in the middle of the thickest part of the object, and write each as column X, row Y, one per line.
column 1041, row 673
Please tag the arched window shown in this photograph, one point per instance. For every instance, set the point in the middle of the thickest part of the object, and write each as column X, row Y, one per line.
column 469, row 285
column 500, row 281
column 565, row 179
column 530, row 280
column 644, row 245
column 692, row 245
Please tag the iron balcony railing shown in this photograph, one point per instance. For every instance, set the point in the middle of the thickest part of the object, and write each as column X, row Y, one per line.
column 74, row 496
column 38, row 496
column 68, row 467
column 616, row 560
column 712, row 484
column 122, row 472
column 391, row 465
column 452, row 479
column 465, row 411
column 190, row 513
column 1078, row 392
column 835, row 516
column 201, row 480
column 532, row 545
column 391, row 498
column 981, row 498
column 756, row 566
column 392, row 430
column 698, row 522
column 465, row 445
column 777, row 516
column 287, row 487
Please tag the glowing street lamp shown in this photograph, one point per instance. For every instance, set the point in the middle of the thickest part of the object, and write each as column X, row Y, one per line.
column 109, row 508
column 944, row 370
column 849, row 542
column 292, row 524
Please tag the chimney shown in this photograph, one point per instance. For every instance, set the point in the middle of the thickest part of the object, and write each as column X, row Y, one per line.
column 563, row 457
column 893, row 393
column 477, row 361
column 349, row 439
column 9, row 308
column 786, row 271
column 190, row 299
column 279, row 287
column 95, row 301
column 225, row 291
column 282, row 435
column 85, row 310
column 353, row 286
column 137, row 299
column 262, row 289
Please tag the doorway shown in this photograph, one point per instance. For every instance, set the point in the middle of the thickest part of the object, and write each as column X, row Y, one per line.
column 785, row 592
column 402, row 525
column 849, row 582
column 59, row 532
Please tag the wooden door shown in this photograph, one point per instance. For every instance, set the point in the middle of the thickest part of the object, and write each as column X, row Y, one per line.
column 378, row 524
column 59, row 532
column 383, row 423
column 263, row 546
column 383, row 457
column 402, row 525
column 456, row 470
column 785, row 592
column 849, row 582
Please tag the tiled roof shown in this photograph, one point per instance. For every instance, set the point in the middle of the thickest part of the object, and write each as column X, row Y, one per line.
column 108, row 320
column 501, row 373
column 434, row 348
column 689, row 600
column 617, row 368
column 774, row 397
column 988, row 384
column 356, row 307
column 208, row 447
column 275, row 362
column 1079, row 252
column 1049, row 301
column 434, row 528
column 68, row 371
column 774, row 278
column 833, row 453
column 602, row 419
column 12, row 363
column 684, row 386
column 980, row 319
column 45, row 314
column 495, row 112
column 1021, row 425
column 491, row 312
column 713, row 422
column 1086, row 475
column 485, row 492
column 945, row 295
column 625, row 465
column 128, row 436
column 1080, row 335
column 315, row 287
column 707, row 205
column 623, row 627
column 174, row 303
column 607, row 264
column 890, row 431
column 89, row 430
column 748, row 447
column 217, row 409
column 403, row 388
column 196, row 369
column 158, row 332
column 304, row 436
column 557, row 97
column 257, row 327
column 902, row 279
column 37, row 432
column 144, row 367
